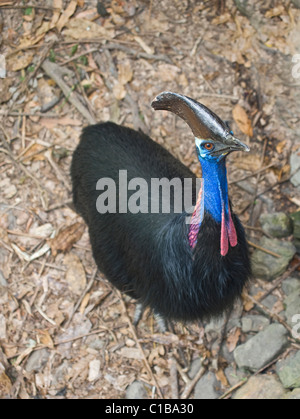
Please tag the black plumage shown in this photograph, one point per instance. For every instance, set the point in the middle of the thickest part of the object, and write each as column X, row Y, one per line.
column 148, row 255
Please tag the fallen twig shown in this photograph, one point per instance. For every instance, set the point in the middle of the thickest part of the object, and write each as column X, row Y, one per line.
column 59, row 174
column 40, row 114
column 137, row 54
column 191, row 384
column 279, row 281
column 269, row 252
column 173, row 379
column 29, row 6
column 55, row 72
column 263, row 169
column 273, row 316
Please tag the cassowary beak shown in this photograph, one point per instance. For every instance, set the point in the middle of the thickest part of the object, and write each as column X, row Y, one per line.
column 204, row 123
column 235, row 145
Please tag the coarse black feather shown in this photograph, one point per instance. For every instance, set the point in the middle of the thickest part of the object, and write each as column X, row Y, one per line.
column 148, row 255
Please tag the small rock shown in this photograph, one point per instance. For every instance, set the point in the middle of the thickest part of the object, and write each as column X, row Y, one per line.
column 59, row 374
column 288, row 370
column 261, row 349
column 194, row 368
column 10, row 191
column 296, row 227
column 254, row 323
column 295, row 216
column 7, row 188
column 292, row 306
column 37, row 360
column 293, row 395
column 80, row 326
column 261, row 387
column 207, row 388
column 290, row 285
column 268, row 267
column 277, row 224
column 233, row 375
column 136, row 390
column 269, row 302
column 97, row 344
column 295, row 158
column 43, row 231
column 213, row 328
column 225, row 352
column 296, row 243
column 94, row 370
column 2, row 327
column 3, row 282
column 75, row 275
column 296, row 3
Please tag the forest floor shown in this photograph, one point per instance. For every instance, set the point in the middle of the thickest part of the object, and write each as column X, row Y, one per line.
column 64, row 330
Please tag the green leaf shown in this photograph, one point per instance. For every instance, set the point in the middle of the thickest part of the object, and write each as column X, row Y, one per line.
column 28, row 11
column 52, row 56
column 74, row 50
column 84, row 60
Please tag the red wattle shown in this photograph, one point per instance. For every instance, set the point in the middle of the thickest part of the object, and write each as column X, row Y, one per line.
column 224, row 235
column 231, row 230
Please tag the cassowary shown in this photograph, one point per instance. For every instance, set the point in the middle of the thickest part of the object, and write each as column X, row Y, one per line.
column 186, row 265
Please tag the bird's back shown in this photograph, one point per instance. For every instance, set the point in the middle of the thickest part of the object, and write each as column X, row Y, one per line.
column 124, row 244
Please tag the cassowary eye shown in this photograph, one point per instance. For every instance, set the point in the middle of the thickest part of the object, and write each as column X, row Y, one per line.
column 209, row 146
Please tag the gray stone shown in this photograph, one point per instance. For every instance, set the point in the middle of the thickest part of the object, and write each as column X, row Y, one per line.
column 234, row 375
column 288, row 370
column 253, row 323
column 262, row 348
column 292, row 395
column 290, row 285
column 292, row 306
column 295, row 216
column 261, row 387
column 268, row 267
column 3, row 331
column 296, row 243
column 3, row 282
column 97, row 344
column 277, row 224
column 59, row 374
column 296, row 3
column 214, row 328
column 269, row 302
column 194, row 368
column 225, row 353
column 295, row 163
column 207, row 387
column 37, row 360
column 136, row 390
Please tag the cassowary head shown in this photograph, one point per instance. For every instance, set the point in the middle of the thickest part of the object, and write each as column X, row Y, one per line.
column 214, row 140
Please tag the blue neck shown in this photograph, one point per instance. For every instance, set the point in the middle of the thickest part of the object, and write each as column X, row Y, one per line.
column 215, row 187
